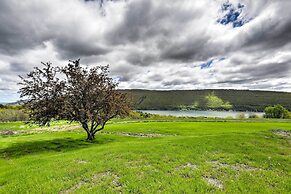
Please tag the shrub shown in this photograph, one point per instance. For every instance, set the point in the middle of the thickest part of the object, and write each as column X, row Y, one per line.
column 253, row 116
column 276, row 111
column 139, row 115
column 13, row 115
column 241, row 116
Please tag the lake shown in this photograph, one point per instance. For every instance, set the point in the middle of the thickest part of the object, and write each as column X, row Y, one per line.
column 198, row 113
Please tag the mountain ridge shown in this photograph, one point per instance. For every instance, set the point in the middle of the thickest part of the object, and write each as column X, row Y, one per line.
column 242, row 100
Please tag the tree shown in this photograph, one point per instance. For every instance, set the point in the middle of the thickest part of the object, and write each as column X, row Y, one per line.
column 214, row 102
column 276, row 111
column 74, row 93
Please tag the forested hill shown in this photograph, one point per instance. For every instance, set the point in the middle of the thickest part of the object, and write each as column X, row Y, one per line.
column 244, row 100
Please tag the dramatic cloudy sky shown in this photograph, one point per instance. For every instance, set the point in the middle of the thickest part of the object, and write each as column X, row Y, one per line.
column 152, row 44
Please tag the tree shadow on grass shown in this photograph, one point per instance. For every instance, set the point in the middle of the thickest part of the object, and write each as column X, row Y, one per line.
column 54, row 145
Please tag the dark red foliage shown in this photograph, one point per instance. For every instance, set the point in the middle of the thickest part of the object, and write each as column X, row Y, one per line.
column 74, row 93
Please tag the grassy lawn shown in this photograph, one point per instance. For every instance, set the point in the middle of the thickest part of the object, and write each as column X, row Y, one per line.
column 147, row 157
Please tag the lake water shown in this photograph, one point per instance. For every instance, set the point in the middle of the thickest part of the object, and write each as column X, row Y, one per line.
column 198, row 113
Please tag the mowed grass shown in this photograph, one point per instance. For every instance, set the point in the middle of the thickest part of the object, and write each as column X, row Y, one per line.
column 186, row 157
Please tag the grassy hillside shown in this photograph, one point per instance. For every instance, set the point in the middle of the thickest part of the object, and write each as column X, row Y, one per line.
column 177, row 99
column 147, row 157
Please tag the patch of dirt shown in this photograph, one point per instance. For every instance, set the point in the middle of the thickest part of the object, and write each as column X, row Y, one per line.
column 8, row 132
column 188, row 165
column 136, row 134
column 115, row 183
column 74, row 188
column 214, row 182
column 244, row 167
column 237, row 167
column 98, row 178
column 281, row 132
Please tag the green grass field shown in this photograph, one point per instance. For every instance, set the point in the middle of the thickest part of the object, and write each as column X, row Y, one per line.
column 147, row 157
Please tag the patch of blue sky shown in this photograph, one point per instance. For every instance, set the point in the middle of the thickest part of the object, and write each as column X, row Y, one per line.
column 206, row 64
column 221, row 58
column 210, row 62
column 232, row 15
column 7, row 96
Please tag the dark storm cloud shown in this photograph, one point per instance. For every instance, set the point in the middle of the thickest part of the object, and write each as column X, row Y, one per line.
column 136, row 20
column 270, row 29
column 187, row 50
column 156, row 77
column 275, row 35
column 25, row 26
column 141, row 59
column 16, row 32
column 144, row 20
column 173, row 82
column 177, row 82
column 72, row 50
column 234, row 81
column 254, row 74
column 268, row 71
column 19, row 67
column 126, row 72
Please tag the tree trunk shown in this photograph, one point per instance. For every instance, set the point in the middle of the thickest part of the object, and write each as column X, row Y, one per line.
column 90, row 136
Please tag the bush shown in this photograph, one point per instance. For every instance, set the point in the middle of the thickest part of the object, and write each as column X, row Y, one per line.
column 276, row 111
column 139, row 115
column 253, row 116
column 2, row 106
column 13, row 115
column 241, row 116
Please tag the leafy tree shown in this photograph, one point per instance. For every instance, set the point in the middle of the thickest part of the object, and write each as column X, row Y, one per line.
column 276, row 111
column 74, row 93
column 214, row 102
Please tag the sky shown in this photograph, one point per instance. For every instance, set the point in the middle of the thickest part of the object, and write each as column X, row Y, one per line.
column 151, row 44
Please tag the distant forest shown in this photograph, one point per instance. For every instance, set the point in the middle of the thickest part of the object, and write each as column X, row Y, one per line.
column 239, row 100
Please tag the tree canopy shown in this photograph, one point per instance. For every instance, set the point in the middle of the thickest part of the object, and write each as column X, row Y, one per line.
column 86, row 95
column 214, row 102
column 276, row 111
